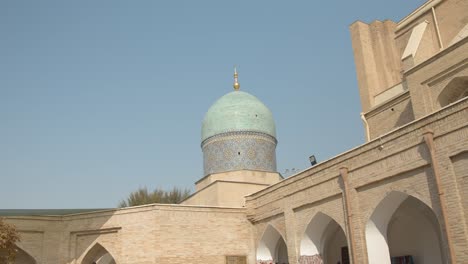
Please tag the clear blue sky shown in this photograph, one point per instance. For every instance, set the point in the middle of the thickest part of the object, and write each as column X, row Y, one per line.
column 98, row 98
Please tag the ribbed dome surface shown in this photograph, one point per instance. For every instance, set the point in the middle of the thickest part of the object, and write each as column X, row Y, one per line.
column 238, row 111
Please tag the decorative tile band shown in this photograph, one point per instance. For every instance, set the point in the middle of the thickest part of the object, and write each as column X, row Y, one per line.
column 239, row 150
column 239, row 134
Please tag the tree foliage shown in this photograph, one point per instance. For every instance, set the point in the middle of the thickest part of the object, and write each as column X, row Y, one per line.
column 143, row 196
column 8, row 238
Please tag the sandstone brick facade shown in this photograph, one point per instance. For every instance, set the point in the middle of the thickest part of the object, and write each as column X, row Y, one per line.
column 146, row 234
column 398, row 162
column 419, row 54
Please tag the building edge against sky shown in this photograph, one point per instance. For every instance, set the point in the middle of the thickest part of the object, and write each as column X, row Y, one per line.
column 402, row 196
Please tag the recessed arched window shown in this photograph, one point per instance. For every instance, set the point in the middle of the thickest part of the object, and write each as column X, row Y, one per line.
column 455, row 90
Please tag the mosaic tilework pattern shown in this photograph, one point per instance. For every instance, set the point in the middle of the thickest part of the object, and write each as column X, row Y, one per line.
column 239, row 150
column 238, row 111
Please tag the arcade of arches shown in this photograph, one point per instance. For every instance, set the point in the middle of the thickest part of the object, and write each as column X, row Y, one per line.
column 404, row 200
column 401, row 229
column 97, row 254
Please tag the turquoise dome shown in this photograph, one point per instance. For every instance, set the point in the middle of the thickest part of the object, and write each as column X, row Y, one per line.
column 238, row 111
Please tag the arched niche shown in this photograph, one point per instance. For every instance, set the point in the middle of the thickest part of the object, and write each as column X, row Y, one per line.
column 324, row 241
column 272, row 247
column 22, row 257
column 455, row 90
column 403, row 227
column 98, row 255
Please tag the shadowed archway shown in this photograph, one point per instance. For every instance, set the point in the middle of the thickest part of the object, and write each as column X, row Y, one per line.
column 455, row 90
column 402, row 228
column 98, row 255
column 22, row 257
column 272, row 248
column 324, row 241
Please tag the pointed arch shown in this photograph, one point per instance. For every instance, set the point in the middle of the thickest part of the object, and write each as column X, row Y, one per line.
column 323, row 241
column 97, row 254
column 455, row 90
column 402, row 226
column 22, row 257
column 272, row 247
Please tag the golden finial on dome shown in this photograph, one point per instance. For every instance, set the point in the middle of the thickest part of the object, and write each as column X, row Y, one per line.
column 236, row 83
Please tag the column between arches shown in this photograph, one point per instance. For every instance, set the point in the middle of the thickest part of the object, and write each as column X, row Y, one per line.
column 355, row 239
column 291, row 227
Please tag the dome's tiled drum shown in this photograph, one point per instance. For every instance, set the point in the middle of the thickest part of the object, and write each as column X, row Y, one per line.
column 239, row 151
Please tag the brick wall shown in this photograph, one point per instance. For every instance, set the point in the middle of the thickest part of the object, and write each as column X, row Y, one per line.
column 147, row 234
column 400, row 162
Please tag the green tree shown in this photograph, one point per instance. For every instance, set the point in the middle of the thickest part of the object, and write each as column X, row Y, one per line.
column 143, row 196
column 8, row 238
